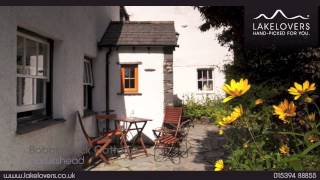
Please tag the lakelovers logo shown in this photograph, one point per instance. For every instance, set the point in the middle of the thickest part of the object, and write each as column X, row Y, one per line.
column 279, row 24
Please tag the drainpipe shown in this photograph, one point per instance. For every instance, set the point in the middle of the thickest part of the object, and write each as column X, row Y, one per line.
column 107, row 83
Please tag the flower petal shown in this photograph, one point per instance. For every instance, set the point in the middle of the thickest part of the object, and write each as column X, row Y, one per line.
column 228, row 99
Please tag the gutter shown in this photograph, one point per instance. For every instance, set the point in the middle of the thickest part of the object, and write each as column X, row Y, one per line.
column 107, row 79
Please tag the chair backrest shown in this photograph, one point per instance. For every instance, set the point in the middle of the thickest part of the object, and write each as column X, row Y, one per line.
column 172, row 118
column 172, row 115
column 82, row 127
column 106, row 116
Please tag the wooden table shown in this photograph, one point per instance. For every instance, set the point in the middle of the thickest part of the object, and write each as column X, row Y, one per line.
column 131, row 124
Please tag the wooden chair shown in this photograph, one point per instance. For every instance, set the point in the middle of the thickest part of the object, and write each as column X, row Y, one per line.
column 170, row 136
column 97, row 144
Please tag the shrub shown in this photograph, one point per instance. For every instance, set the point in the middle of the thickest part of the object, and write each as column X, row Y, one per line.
column 212, row 108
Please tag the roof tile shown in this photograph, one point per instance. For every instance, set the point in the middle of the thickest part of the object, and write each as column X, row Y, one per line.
column 145, row 33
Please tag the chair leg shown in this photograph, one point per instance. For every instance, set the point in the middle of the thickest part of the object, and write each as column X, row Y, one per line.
column 158, row 153
column 104, row 158
column 99, row 152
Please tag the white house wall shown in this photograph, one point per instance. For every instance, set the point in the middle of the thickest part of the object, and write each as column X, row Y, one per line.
column 196, row 49
column 75, row 31
column 150, row 84
column 186, row 86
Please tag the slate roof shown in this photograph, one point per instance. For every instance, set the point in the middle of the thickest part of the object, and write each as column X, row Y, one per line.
column 139, row 33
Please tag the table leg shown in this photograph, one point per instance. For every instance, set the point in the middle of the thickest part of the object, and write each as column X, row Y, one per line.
column 139, row 136
column 124, row 141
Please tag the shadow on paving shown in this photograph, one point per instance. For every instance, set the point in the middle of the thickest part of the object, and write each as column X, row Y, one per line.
column 207, row 147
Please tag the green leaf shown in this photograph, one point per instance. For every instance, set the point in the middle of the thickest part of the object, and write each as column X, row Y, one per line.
column 295, row 163
column 310, row 148
column 291, row 133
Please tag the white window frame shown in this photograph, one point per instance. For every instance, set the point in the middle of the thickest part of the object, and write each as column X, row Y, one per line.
column 46, row 77
column 207, row 80
column 88, row 79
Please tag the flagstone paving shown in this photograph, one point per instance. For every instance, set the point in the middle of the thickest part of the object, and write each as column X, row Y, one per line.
column 205, row 149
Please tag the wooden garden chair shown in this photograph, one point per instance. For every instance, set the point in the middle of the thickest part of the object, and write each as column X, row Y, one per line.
column 172, row 134
column 97, row 144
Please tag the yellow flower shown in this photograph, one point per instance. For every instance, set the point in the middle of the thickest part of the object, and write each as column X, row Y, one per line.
column 259, row 101
column 298, row 89
column 221, row 132
column 284, row 149
column 311, row 116
column 226, row 120
column 245, row 145
column 284, row 110
column 235, row 89
column 236, row 113
column 313, row 138
column 219, row 165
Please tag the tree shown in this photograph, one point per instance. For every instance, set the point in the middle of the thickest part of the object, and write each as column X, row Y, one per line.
column 260, row 65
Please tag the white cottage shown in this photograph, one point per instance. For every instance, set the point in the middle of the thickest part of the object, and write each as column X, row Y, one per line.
column 58, row 60
column 199, row 60
column 140, row 72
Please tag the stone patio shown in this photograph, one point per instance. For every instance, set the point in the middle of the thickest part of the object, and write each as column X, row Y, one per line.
column 205, row 149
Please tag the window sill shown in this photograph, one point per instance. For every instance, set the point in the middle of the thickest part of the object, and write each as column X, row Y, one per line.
column 205, row 92
column 130, row 94
column 26, row 127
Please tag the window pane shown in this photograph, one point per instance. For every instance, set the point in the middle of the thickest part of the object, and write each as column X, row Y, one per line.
column 210, row 86
column 205, row 86
column 204, row 74
column 31, row 57
column 42, row 59
column 199, row 85
column 19, row 91
column 132, row 72
column 87, row 73
column 84, row 72
column 210, row 74
column 127, row 72
column 199, row 74
column 35, row 114
column 24, row 91
column 85, row 96
column 132, row 85
column 90, row 75
column 127, row 83
column 20, row 54
column 39, row 87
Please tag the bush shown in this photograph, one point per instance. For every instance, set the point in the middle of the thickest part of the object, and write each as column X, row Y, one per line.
column 211, row 108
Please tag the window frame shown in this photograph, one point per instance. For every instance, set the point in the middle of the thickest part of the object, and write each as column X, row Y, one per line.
column 87, row 85
column 207, row 80
column 45, row 77
column 136, row 78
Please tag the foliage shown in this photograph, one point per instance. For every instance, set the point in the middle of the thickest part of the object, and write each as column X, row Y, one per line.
column 207, row 107
column 259, row 140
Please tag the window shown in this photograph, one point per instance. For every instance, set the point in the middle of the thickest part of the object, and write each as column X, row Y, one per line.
column 87, row 84
column 205, row 82
column 129, row 78
column 33, row 81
